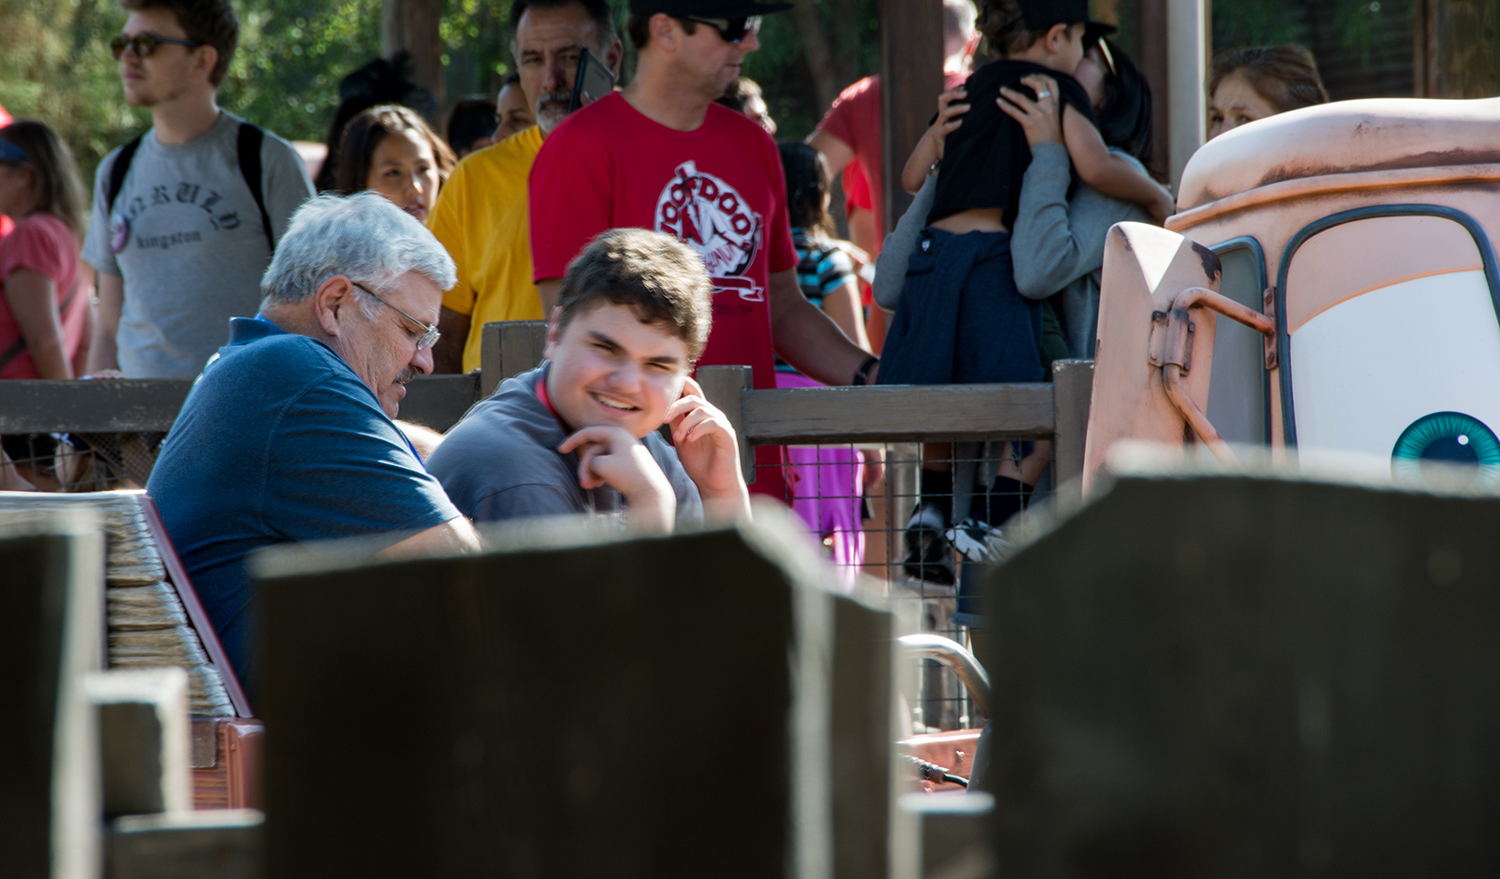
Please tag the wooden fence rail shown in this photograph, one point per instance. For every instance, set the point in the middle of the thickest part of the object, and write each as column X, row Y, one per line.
column 1057, row 410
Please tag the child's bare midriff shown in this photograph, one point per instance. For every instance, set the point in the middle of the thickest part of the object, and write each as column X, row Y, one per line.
column 973, row 220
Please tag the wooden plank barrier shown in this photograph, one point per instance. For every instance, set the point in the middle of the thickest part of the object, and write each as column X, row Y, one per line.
column 790, row 416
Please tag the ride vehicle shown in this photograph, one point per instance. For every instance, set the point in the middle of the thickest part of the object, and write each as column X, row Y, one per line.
column 1351, row 246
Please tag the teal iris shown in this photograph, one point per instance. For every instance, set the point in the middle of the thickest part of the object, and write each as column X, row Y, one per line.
column 1447, row 438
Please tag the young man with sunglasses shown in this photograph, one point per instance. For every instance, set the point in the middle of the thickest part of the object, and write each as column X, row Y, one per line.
column 289, row 434
column 186, row 216
column 662, row 155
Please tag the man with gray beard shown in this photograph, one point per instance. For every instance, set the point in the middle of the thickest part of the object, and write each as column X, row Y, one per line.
column 481, row 216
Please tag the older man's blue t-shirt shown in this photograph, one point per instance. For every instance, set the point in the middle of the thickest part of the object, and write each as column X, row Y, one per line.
column 280, row 441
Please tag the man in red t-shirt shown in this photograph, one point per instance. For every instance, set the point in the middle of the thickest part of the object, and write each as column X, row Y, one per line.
column 662, row 155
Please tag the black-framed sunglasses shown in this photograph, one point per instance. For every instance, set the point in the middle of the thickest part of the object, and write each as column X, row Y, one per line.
column 731, row 30
column 145, row 44
column 430, row 332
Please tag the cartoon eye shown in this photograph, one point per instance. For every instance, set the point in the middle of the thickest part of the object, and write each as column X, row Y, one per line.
column 1393, row 334
column 1451, row 438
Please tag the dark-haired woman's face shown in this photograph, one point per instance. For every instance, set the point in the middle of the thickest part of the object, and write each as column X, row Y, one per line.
column 404, row 170
column 1234, row 103
column 1090, row 74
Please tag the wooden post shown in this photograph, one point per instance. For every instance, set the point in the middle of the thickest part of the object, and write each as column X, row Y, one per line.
column 507, row 349
column 1455, row 57
column 1073, row 387
column 911, row 78
column 1151, row 56
column 1188, row 37
column 412, row 25
column 724, row 387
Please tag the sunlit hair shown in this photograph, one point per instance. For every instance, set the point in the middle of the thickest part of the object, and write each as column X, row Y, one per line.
column 363, row 237
column 365, row 132
column 1004, row 28
column 204, row 21
column 59, row 191
column 1285, row 76
column 656, row 276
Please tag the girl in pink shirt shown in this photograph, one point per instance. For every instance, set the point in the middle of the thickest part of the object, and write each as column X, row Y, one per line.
column 44, row 312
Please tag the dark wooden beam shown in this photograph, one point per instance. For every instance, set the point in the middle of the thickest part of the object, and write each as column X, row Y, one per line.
column 128, row 405
column 911, row 78
column 1151, row 56
column 895, row 413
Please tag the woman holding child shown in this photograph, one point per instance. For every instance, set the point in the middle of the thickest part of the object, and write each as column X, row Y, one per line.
column 962, row 315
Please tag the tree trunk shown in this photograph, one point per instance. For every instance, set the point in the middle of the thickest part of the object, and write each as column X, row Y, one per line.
column 819, row 56
column 413, row 25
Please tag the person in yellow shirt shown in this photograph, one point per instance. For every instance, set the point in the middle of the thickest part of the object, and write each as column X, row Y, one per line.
column 481, row 215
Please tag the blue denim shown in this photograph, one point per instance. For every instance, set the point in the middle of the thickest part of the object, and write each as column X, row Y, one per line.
column 960, row 319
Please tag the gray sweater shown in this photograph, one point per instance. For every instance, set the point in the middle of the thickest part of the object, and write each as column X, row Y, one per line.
column 1062, row 242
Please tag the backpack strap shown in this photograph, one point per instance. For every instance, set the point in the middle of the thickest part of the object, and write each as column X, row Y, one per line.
column 118, row 170
column 250, row 139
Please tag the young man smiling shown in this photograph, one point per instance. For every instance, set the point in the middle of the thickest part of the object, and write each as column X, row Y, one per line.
column 184, row 216
column 579, row 433
column 662, row 155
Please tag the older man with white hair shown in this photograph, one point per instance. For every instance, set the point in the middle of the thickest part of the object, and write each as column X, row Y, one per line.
column 288, row 435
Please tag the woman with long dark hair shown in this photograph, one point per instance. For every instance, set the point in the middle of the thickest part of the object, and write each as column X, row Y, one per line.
column 1058, row 240
column 391, row 150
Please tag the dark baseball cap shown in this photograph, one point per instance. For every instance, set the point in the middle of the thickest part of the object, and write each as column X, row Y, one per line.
column 706, row 8
column 1042, row 14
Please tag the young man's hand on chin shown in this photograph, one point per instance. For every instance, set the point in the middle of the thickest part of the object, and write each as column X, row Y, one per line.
column 611, row 456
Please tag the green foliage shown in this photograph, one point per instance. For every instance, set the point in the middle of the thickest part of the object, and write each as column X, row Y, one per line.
column 852, row 28
column 55, row 64
column 292, row 55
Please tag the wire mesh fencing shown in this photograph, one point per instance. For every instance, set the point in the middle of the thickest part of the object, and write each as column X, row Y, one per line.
column 923, row 521
column 78, row 462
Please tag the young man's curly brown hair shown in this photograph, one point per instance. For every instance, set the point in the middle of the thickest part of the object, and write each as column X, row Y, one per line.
column 658, row 277
column 205, row 21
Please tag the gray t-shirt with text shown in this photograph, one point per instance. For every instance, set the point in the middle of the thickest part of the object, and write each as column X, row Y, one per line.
column 188, row 240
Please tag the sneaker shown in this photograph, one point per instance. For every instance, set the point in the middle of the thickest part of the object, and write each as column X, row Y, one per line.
column 979, row 542
column 927, row 556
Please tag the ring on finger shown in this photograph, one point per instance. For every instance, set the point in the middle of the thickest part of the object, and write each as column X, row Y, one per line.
column 1042, row 96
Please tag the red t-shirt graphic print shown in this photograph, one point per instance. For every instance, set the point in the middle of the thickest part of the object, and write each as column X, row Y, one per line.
column 719, row 189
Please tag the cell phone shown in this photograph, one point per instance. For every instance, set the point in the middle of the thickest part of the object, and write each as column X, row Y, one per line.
column 593, row 82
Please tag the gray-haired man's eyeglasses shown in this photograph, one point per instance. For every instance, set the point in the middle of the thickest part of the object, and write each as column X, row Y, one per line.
column 430, row 333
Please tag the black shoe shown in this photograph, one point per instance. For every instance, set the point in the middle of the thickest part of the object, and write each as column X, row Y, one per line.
column 927, row 554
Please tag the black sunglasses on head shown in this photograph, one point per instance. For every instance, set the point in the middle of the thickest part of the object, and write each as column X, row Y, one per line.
column 731, row 30
column 145, row 44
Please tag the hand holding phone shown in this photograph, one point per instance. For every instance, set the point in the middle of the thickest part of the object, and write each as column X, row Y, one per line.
column 594, row 81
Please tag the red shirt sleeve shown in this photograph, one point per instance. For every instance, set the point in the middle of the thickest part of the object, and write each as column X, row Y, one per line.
column 571, row 197
column 30, row 246
column 839, row 120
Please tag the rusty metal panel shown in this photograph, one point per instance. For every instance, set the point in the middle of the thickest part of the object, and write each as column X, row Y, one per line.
column 1145, row 268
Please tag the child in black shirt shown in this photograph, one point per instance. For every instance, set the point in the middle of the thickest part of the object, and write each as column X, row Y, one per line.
column 960, row 318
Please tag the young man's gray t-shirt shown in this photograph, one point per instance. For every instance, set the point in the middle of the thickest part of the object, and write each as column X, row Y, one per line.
column 187, row 238
column 501, row 462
